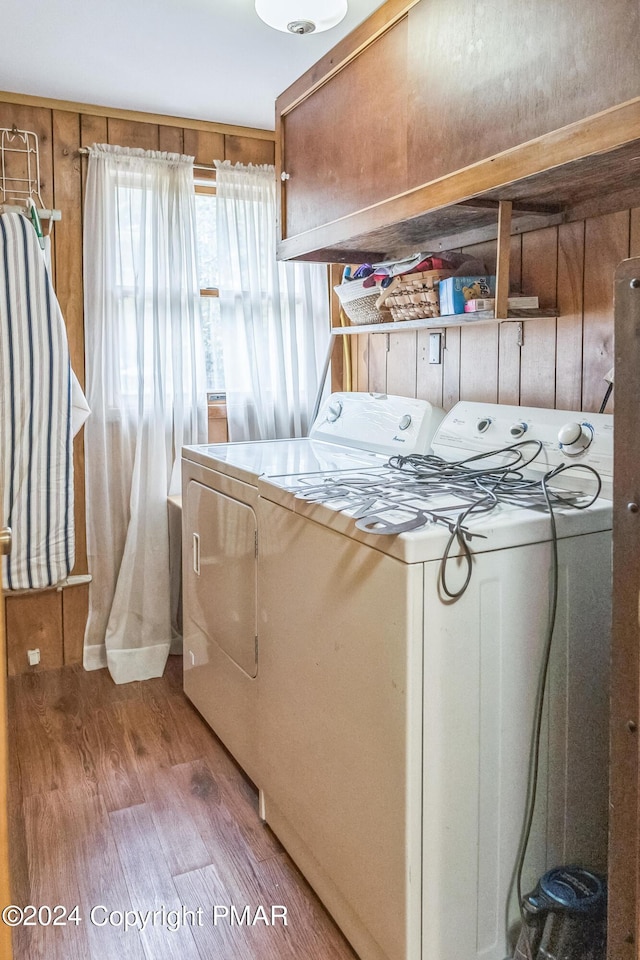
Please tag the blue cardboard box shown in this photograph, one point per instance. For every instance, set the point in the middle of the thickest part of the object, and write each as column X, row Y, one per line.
column 455, row 291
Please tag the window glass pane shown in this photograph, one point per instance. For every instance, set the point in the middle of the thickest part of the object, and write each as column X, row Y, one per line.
column 207, row 246
column 211, row 335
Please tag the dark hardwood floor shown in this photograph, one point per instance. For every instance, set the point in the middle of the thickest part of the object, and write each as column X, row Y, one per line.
column 122, row 800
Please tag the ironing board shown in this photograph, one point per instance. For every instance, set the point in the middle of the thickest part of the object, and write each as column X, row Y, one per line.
column 36, row 455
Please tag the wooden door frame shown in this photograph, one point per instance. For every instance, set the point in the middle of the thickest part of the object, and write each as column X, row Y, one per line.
column 5, row 885
column 624, row 833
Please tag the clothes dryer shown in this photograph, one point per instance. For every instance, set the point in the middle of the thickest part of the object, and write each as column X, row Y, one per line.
column 221, row 544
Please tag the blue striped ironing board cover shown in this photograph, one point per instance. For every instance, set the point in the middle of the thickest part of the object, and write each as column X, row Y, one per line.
column 36, row 450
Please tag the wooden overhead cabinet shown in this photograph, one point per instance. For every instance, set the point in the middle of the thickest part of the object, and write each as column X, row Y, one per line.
column 413, row 127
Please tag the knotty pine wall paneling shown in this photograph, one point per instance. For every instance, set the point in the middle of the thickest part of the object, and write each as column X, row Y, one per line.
column 510, row 335
column 571, row 239
column 359, row 362
column 538, row 353
column 429, row 375
column 205, row 146
column 634, row 233
column 34, row 622
column 132, row 133
column 606, row 244
column 171, row 139
column 379, row 347
column 53, row 620
column 246, row 150
column 402, row 363
column 509, row 346
column 451, row 368
column 67, row 240
column 340, row 351
column 479, row 363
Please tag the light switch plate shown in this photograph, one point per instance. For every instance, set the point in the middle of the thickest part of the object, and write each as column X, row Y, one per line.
column 435, row 348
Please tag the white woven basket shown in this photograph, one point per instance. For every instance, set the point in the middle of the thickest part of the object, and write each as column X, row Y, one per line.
column 359, row 302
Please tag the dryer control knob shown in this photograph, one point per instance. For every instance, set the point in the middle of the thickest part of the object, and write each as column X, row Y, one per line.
column 334, row 411
column 405, row 422
column 518, row 429
column 483, row 424
column 574, row 438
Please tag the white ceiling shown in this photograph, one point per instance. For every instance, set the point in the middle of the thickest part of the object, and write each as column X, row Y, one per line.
column 202, row 59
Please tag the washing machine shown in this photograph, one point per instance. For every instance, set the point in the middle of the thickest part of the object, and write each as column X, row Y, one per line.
column 403, row 640
column 221, row 544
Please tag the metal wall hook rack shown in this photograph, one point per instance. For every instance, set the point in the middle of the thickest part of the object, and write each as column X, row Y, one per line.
column 20, row 177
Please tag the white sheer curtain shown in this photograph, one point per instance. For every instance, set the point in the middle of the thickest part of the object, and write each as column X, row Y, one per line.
column 145, row 386
column 275, row 316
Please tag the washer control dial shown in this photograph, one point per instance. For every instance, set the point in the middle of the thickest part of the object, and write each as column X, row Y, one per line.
column 334, row 411
column 518, row 429
column 574, row 438
column 405, row 422
column 483, row 424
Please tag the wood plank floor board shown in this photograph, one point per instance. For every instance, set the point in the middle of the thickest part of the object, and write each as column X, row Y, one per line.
column 153, row 734
column 207, row 889
column 150, row 884
column 100, row 880
column 53, row 880
column 113, row 759
column 127, row 799
column 36, row 748
column 18, row 849
column 274, row 883
column 97, row 689
column 197, row 741
column 238, row 793
column 182, row 845
column 242, row 798
column 225, row 811
column 52, row 752
column 314, row 931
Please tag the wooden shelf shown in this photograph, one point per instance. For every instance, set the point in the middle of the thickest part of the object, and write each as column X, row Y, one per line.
column 452, row 320
column 497, row 315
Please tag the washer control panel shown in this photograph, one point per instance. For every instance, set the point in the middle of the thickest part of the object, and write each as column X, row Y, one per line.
column 566, row 437
column 378, row 422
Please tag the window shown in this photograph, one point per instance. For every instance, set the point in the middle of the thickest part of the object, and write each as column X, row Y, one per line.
column 208, row 281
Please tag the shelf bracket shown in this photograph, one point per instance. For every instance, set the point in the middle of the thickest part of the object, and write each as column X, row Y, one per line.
column 505, row 208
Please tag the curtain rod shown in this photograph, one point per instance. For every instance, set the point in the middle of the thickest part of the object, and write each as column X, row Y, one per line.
column 84, row 152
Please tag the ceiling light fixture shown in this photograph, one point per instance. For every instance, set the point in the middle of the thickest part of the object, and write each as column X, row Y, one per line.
column 301, row 16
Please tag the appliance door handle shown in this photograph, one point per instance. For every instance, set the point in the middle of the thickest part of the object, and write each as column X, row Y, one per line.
column 5, row 540
column 196, row 553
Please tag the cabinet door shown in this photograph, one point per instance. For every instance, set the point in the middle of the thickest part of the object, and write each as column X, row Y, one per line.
column 344, row 146
column 222, row 574
column 486, row 77
column 405, row 117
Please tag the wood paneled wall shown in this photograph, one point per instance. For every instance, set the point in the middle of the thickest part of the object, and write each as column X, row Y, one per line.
column 62, row 129
column 561, row 361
